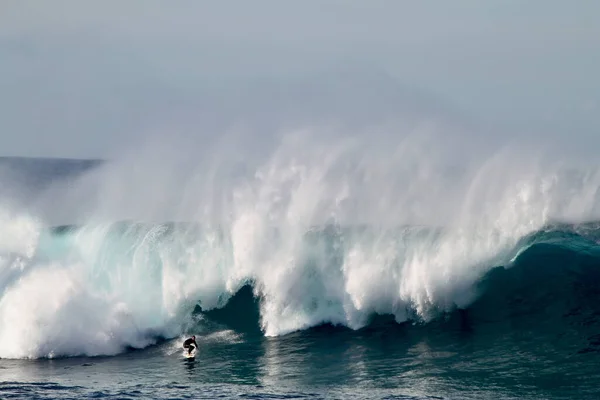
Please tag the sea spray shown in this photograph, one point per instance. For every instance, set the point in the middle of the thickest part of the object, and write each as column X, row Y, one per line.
column 326, row 229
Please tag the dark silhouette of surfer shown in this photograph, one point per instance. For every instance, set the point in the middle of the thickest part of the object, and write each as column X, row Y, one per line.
column 189, row 344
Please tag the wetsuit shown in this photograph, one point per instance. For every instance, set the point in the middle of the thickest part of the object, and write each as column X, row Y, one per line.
column 189, row 345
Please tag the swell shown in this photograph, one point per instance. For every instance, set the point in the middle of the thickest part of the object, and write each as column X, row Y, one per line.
column 552, row 287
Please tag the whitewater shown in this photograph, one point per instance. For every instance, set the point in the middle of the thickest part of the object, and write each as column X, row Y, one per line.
column 99, row 258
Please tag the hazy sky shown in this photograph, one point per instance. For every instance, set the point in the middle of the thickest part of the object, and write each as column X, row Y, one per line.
column 78, row 79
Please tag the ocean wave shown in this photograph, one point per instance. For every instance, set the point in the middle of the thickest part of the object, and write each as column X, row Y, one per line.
column 101, row 290
column 324, row 230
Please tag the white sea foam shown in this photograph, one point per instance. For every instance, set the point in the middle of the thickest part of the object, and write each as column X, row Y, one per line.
column 327, row 228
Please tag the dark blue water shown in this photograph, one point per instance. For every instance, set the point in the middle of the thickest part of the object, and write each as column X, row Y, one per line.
column 532, row 331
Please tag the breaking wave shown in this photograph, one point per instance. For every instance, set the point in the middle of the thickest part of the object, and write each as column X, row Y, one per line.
column 323, row 231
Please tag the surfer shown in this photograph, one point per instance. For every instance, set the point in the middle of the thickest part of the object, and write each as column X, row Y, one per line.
column 189, row 344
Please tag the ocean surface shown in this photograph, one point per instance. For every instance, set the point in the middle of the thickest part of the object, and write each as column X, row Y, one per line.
column 292, row 289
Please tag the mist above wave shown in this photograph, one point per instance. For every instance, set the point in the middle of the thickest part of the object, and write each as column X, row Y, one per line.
column 280, row 172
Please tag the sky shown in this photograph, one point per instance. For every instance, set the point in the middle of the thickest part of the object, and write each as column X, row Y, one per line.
column 83, row 79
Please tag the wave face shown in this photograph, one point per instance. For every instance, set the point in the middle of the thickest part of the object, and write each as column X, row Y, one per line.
column 324, row 231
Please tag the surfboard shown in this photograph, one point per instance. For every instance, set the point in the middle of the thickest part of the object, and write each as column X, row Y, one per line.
column 189, row 356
